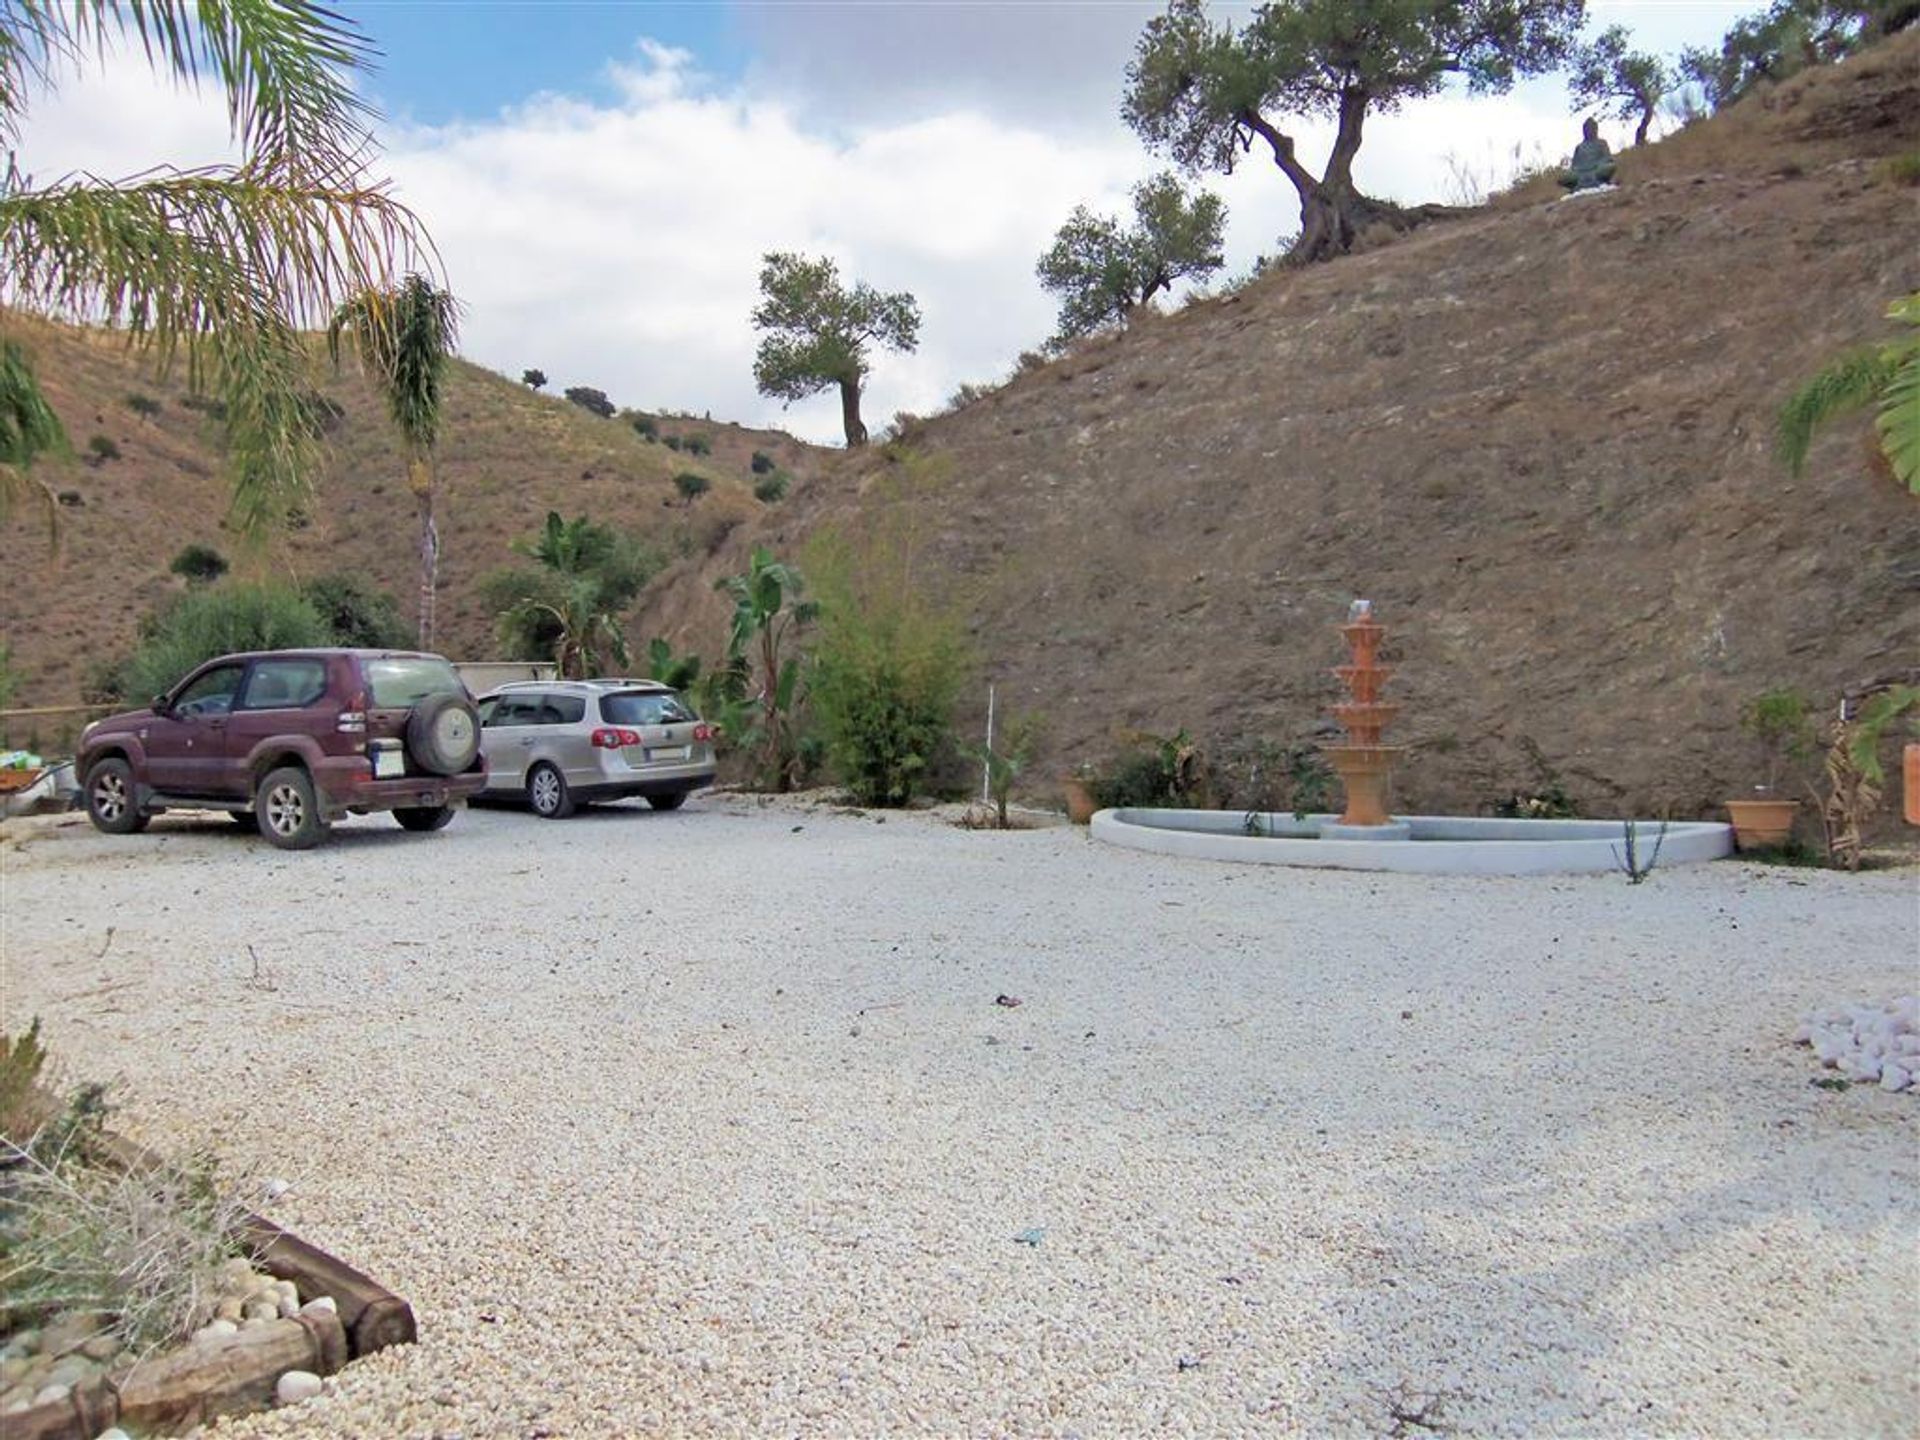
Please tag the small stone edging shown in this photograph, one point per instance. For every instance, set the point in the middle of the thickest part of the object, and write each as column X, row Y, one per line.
column 343, row 1315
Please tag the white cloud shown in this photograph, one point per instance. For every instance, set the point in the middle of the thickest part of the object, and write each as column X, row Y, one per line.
column 617, row 243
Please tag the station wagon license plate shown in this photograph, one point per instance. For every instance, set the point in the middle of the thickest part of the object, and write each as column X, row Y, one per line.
column 389, row 765
column 670, row 752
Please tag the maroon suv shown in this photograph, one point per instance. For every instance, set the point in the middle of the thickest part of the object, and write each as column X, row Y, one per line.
column 288, row 741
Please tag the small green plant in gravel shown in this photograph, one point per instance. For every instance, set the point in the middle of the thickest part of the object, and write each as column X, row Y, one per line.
column 1005, row 759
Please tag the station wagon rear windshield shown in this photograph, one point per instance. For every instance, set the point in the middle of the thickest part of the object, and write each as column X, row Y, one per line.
column 644, row 707
column 398, row 682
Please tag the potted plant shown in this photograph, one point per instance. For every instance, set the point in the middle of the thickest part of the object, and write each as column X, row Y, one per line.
column 1078, row 785
column 1782, row 727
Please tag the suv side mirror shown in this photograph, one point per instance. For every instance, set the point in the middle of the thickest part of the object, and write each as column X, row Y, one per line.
column 160, row 706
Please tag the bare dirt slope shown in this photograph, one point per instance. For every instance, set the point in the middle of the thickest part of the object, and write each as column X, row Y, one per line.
column 1538, row 438
column 507, row 456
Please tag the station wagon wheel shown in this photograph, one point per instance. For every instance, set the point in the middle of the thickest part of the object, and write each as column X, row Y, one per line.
column 668, row 802
column 111, row 800
column 288, row 813
column 548, row 793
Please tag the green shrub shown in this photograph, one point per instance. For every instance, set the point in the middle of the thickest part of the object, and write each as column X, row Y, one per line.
column 1901, row 169
column 770, row 489
column 357, row 613
column 1157, row 772
column 762, row 463
column 672, row 442
column 590, row 399
column 887, row 666
column 219, row 620
column 646, row 428
column 691, row 486
column 199, row 564
column 145, row 406
column 100, row 449
column 697, row 445
column 207, row 405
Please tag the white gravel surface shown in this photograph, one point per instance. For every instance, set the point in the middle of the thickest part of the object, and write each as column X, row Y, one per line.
column 709, row 1124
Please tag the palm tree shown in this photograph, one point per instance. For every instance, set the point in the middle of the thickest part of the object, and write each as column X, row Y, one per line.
column 1886, row 376
column 227, row 263
column 403, row 337
column 574, row 606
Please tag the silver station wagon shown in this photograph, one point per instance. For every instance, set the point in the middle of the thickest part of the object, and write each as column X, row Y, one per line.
column 561, row 743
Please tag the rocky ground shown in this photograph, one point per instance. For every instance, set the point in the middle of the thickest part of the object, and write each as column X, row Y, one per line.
column 725, row 1123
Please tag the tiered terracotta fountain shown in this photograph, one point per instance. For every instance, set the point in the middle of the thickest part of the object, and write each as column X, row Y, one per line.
column 1364, row 764
column 1418, row 844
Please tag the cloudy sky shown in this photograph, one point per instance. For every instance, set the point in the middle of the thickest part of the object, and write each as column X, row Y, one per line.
column 601, row 178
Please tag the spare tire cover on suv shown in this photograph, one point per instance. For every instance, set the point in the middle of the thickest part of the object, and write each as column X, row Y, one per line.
column 443, row 734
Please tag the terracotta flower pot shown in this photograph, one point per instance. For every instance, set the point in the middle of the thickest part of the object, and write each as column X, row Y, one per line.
column 1761, row 824
column 1079, row 793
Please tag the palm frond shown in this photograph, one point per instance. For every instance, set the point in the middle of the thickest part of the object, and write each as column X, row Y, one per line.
column 28, row 429
column 225, row 264
column 1899, row 418
column 1852, row 382
column 285, row 65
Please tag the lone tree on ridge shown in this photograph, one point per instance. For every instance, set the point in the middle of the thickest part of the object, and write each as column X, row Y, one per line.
column 1102, row 272
column 1204, row 92
column 818, row 333
column 1605, row 71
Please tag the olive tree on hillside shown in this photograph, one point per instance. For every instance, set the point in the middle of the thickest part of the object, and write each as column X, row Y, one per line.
column 229, row 262
column 818, row 333
column 1787, row 37
column 403, row 338
column 1103, row 271
column 1606, row 72
column 1204, row 92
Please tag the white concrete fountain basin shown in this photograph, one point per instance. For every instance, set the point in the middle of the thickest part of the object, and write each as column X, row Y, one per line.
column 1437, row 844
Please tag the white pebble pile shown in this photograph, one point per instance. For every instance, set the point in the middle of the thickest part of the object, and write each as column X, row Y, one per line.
column 1868, row 1043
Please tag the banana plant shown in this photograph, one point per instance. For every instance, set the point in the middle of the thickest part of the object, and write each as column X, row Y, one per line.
column 767, row 613
column 1886, row 376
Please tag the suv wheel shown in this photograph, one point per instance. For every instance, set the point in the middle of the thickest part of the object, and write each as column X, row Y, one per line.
column 111, row 798
column 424, row 817
column 547, row 792
column 246, row 820
column 288, row 813
column 443, row 734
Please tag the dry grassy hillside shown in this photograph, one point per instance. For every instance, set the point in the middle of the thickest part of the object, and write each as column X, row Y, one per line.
column 507, row 455
column 1537, row 437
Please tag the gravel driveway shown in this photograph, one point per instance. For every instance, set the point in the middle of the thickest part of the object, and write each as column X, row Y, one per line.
column 710, row 1124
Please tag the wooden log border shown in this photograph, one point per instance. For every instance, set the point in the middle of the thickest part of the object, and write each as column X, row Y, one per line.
column 200, row 1380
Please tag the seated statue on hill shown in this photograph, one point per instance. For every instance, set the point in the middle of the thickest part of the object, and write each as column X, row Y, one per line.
column 1592, row 161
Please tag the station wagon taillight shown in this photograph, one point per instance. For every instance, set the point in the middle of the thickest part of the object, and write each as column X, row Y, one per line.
column 609, row 738
column 703, row 732
column 353, row 719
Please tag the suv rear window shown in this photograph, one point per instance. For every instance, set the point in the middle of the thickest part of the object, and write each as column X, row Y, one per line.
column 396, row 682
column 645, row 707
